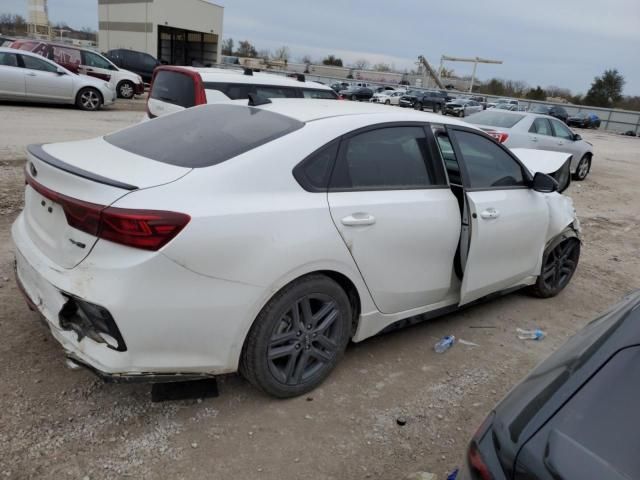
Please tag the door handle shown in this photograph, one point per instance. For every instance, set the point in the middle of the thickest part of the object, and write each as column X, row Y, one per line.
column 31, row 74
column 89, row 69
column 534, row 139
column 357, row 219
column 490, row 213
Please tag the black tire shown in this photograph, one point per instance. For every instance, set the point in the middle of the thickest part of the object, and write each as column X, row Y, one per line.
column 417, row 106
column 89, row 99
column 461, row 113
column 583, row 168
column 436, row 108
column 126, row 89
column 387, row 102
column 288, row 351
column 559, row 263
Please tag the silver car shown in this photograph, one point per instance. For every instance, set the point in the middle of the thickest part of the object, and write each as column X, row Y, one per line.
column 26, row 76
column 540, row 132
column 462, row 107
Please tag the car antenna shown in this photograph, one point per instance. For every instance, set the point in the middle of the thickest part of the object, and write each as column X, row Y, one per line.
column 300, row 77
column 248, row 71
column 256, row 100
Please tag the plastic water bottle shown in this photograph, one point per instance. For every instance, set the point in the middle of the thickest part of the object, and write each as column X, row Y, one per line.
column 536, row 334
column 444, row 344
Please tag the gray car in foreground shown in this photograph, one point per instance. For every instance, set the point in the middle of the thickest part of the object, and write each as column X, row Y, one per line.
column 540, row 132
column 575, row 417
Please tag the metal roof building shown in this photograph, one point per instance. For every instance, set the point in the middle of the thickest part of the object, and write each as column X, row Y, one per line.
column 185, row 32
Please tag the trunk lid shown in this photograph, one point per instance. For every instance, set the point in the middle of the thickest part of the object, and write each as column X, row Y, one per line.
column 89, row 173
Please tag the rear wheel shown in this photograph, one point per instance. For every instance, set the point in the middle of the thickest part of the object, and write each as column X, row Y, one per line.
column 387, row 102
column 583, row 168
column 461, row 113
column 558, row 266
column 298, row 337
column 89, row 99
column 436, row 108
column 126, row 89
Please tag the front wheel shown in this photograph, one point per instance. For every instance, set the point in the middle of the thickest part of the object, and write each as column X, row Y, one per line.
column 461, row 113
column 558, row 266
column 436, row 108
column 387, row 102
column 126, row 89
column 298, row 337
column 418, row 106
column 89, row 99
column 582, row 170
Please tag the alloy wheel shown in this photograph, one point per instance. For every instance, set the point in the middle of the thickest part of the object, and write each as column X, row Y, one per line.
column 305, row 339
column 560, row 264
column 126, row 90
column 583, row 168
column 90, row 100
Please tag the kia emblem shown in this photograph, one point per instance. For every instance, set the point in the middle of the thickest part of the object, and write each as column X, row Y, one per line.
column 33, row 170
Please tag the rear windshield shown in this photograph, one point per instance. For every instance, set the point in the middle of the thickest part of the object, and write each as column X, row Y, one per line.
column 204, row 136
column 494, row 118
column 174, row 87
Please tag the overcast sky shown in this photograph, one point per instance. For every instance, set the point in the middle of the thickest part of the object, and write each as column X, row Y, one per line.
column 543, row 42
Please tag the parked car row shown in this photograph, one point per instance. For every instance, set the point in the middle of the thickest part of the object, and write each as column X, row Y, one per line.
column 86, row 62
column 26, row 76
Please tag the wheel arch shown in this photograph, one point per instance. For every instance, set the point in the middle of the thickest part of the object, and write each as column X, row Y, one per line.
column 89, row 87
column 355, row 289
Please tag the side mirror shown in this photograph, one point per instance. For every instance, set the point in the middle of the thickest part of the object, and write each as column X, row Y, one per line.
column 544, row 183
column 576, row 137
column 59, row 71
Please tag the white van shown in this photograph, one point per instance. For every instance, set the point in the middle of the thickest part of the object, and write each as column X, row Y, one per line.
column 176, row 88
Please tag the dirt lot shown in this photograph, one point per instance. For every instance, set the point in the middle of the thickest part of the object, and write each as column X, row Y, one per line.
column 56, row 423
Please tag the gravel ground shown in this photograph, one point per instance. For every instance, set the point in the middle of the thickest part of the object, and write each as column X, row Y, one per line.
column 56, row 423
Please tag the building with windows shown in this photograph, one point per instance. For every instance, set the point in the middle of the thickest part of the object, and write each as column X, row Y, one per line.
column 185, row 32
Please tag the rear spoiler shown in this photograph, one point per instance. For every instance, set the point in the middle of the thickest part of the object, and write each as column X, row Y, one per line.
column 38, row 152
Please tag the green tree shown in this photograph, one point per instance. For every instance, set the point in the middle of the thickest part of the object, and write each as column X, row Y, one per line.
column 536, row 94
column 606, row 90
column 332, row 60
column 245, row 49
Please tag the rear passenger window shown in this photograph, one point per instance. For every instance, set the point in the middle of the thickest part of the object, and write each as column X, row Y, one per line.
column 541, row 126
column 276, row 92
column 173, row 87
column 313, row 173
column 384, row 159
column 488, row 165
column 319, row 94
column 8, row 59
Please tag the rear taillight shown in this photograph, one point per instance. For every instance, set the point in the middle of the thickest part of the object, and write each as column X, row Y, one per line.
column 477, row 466
column 501, row 137
column 145, row 229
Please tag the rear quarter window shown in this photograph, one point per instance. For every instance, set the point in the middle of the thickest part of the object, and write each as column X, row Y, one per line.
column 173, row 87
column 204, row 136
column 319, row 94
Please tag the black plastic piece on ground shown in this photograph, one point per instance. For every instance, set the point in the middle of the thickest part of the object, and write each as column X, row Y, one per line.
column 162, row 392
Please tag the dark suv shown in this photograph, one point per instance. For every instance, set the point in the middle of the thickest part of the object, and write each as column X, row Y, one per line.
column 138, row 62
column 419, row 100
column 554, row 110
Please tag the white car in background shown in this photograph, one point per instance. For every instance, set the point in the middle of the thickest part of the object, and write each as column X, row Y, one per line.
column 175, row 88
column 28, row 77
column 462, row 107
column 263, row 239
column 541, row 132
column 388, row 97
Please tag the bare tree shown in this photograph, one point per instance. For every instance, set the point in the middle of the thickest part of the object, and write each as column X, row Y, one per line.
column 282, row 53
column 227, row 47
column 382, row 67
column 361, row 64
column 306, row 59
column 264, row 53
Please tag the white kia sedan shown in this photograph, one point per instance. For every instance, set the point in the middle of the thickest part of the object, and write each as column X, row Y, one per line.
column 388, row 97
column 264, row 238
column 532, row 130
column 28, row 77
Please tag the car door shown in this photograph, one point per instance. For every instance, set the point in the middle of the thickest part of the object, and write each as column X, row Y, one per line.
column 541, row 135
column 390, row 202
column 509, row 220
column 44, row 82
column 12, row 82
column 96, row 66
